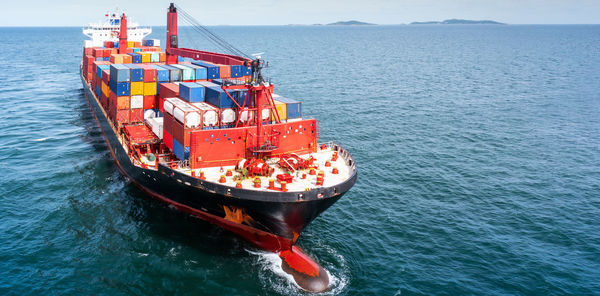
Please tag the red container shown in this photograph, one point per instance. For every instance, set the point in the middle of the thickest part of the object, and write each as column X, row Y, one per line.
column 109, row 44
column 122, row 117
column 149, row 102
column 167, row 139
column 176, row 129
column 149, row 73
column 98, row 52
column 87, row 51
column 136, row 115
column 168, row 90
column 106, row 76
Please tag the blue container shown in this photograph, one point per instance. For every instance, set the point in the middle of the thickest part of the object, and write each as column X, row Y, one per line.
column 149, row 42
column 240, row 96
column 100, row 69
column 119, row 73
column 294, row 108
column 217, row 97
column 136, row 72
column 183, row 153
column 100, row 59
column 236, row 71
column 174, row 73
column 246, row 71
column 106, row 59
column 120, row 88
column 98, row 90
column 191, row 92
column 137, row 50
column 200, row 72
column 136, row 58
column 162, row 74
column 212, row 71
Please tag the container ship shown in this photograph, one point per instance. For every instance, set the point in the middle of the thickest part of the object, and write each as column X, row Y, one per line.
column 205, row 133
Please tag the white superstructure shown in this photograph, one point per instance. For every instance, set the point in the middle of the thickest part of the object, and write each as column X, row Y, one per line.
column 109, row 30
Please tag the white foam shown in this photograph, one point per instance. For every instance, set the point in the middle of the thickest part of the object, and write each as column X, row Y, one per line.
column 41, row 139
column 271, row 263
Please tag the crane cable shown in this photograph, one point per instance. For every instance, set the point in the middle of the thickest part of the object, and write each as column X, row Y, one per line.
column 215, row 39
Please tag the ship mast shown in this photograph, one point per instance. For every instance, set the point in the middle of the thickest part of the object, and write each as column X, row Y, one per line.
column 123, row 35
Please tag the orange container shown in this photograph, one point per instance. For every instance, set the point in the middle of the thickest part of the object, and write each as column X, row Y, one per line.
column 116, row 59
column 123, row 103
column 162, row 57
column 224, row 71
column 127, row 59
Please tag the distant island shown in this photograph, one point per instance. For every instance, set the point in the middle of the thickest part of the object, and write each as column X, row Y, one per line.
column 458, row 22
column 350, row 23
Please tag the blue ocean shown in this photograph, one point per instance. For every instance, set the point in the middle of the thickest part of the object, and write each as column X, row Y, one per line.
column 478, row 150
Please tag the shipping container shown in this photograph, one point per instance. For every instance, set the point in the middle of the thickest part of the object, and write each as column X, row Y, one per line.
column 174, row 73
column 149, row 113
column 236, row 71
column 200, row 72
column 149, row 102
column 224, row 71
column 168, row 90
column 137, row 102
column 162, row 74
column 217, row 97
column 122, row 117
column 167, row 139
column 212, row 70
column 136, row 72
column 123, row 102
column 120, row 88
column 187, row 73
column 155, row 57
column 136, row 115
column 109, row 44
column 149, row 73
column 281, row 110
column 146, row 56
column 293, row 107
column 137, row 88
column 182, row 152
column 119, row 73
column 150, row 88
column 191, row 92
column 156, row 125
column 135, row 58
column 227, row 116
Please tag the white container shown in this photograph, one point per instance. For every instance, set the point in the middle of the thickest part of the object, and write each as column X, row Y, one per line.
column 210, row 114
column 227, row 115
column 156, row 125
column 137, row 102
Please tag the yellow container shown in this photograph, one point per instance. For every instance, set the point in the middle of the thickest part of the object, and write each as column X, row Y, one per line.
column 281, row 110
column 105, row 89
column 130, row 44
column 137, row 88
column 145, row 56
column 149, row 88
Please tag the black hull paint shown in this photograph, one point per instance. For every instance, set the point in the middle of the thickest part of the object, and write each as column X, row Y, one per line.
column 284, row 214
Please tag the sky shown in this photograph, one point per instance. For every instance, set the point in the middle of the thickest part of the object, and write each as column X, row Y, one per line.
column 273, row 12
